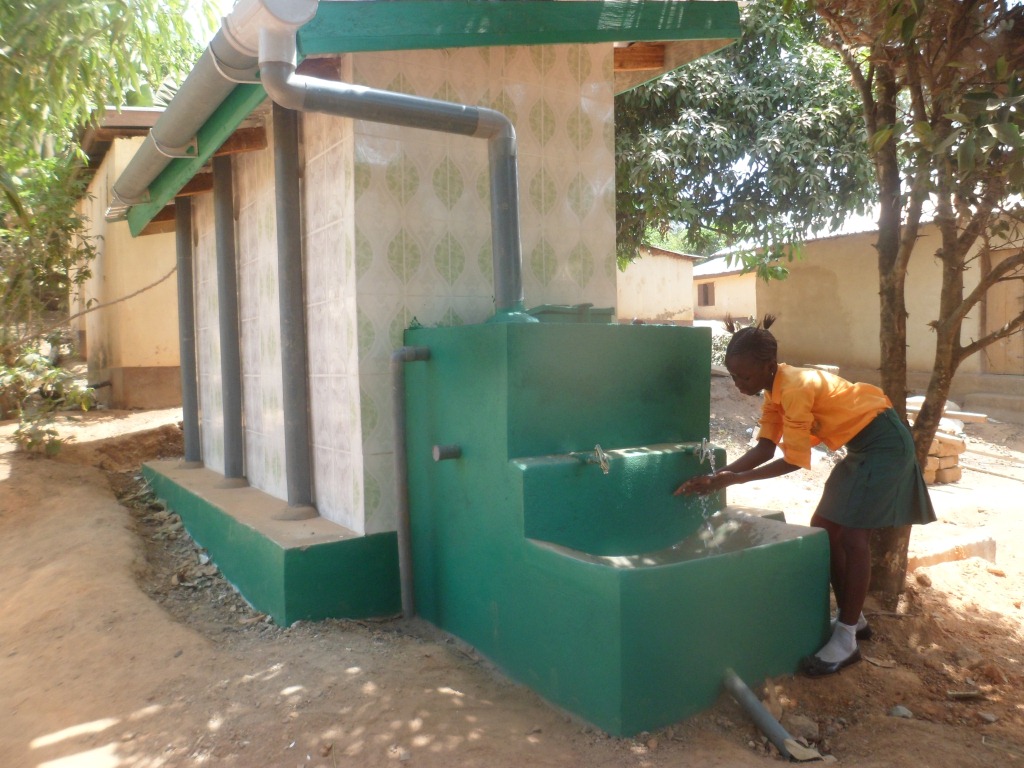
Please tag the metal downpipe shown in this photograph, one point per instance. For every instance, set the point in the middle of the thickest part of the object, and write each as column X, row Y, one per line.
column 346, row 100
column 227, row 299
column 294, row 346
column 398, row 359
column 187, row 333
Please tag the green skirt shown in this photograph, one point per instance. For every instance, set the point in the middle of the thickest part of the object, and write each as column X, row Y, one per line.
column 879, row 484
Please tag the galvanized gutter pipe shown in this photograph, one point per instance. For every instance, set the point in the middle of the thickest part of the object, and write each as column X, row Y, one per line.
column 206, row 86
column 294, row 347
column 223, row 65
column 227, row 299
column 187, row 333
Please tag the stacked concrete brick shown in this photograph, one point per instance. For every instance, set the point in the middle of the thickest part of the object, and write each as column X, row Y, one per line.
column 943, row 464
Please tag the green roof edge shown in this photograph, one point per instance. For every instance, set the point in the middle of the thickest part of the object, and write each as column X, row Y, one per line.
column 222, row 123
column 417, row 24
column 341, row 27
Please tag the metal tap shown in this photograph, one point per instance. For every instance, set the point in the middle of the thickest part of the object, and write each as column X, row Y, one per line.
column 706, row 450
column 597, row 456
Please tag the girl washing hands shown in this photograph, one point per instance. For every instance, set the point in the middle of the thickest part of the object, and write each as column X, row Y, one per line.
column 879, row 484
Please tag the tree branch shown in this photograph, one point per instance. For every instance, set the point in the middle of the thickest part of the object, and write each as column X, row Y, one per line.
column 1014, row 326
column 997, row 274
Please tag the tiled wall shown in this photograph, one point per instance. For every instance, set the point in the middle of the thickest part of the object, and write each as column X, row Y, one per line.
column 259, row 320
column 331, row 317
column 396, row 226
column 211, row 401
column 422, row 209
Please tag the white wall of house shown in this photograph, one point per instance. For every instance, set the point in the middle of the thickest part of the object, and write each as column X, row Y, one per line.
column 657, row 288
column 397, row 230
column 131, row 343
column 828, row 307
column 734, row 295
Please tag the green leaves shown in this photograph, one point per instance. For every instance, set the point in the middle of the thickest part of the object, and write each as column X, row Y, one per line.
column 64, row 60
column 1007, row 133
column 60, row 62
column 761, row 141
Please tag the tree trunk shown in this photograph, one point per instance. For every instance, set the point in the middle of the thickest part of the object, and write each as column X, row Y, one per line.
column 889, row 546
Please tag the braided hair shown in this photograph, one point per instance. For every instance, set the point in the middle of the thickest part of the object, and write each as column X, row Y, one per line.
column 754, row 341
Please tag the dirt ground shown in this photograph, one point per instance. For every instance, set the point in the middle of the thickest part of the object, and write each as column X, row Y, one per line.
column 120, row 645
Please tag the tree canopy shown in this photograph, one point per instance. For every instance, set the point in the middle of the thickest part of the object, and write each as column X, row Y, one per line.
column 60, row 64
column 825, row 106
column 61, row 61
column 758, row 142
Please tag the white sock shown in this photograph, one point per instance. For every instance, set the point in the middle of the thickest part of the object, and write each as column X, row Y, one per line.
column 842, row 644
column 861, row 621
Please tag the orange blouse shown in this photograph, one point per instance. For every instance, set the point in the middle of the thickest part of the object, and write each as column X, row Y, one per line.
column 808, row 406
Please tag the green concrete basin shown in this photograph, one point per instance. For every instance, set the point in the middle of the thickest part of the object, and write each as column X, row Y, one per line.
column 569, row 500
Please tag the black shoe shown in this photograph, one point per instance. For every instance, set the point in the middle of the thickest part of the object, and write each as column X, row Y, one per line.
column 812, row 666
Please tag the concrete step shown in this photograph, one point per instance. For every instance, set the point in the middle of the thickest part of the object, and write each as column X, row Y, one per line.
column 1000, row 406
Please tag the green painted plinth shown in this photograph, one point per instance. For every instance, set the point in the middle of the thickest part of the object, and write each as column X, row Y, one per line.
column 600, row 590
column 290, row 569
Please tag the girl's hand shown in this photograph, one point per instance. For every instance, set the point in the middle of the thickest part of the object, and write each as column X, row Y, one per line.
column 701, row 485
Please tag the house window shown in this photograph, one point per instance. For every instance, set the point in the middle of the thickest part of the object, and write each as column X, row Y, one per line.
column 706, row 295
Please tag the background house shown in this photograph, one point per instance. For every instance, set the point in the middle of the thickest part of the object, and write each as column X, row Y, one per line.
column 132, row 344
column 828, row 312
column 656, row 288
column 721, row 289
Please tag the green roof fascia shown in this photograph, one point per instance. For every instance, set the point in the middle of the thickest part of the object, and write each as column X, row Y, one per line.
column 340, row 27
column 215, row 131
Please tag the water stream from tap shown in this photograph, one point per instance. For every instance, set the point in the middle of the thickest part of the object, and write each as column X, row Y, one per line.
column 708, row 534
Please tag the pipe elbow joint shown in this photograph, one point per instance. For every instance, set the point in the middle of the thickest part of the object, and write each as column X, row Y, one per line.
column 281, row 85
column 494, row 125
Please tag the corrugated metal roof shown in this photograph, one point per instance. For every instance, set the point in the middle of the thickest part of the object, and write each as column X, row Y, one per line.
column 655, row 250
column 720, row 266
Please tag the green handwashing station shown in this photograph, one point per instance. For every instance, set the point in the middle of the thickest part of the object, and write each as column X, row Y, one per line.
column 542, row 458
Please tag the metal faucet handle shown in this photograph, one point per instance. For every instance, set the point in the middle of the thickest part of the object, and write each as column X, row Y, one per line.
column 706, row 450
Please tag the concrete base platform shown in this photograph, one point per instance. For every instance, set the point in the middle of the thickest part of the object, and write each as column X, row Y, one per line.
column 978, row 543
column 306, row 569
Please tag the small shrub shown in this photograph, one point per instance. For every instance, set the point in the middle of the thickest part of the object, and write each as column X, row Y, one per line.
column 35, row 390
column 718, row 344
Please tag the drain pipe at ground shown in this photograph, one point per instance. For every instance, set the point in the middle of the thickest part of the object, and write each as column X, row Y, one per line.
column 398, row 360
column 762, row 718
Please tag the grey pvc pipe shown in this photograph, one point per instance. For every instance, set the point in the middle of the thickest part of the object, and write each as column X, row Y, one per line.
column 187, row 330
column 403, row 528
column 227, row 296
column 346, row 100
column 762, row 718
column 294, row 347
